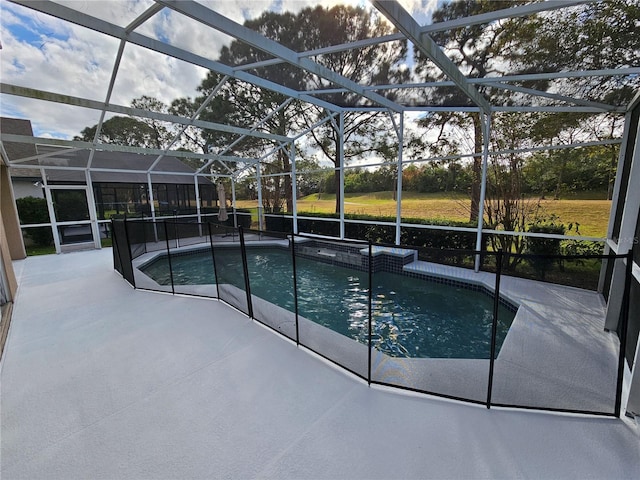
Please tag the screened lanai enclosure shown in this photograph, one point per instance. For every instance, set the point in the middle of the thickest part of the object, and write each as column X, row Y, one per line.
column 323, row 129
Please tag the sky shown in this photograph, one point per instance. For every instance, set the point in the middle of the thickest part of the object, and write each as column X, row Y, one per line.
column 42, row 52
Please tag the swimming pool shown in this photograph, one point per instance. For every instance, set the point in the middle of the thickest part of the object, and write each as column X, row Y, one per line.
column 411, row 317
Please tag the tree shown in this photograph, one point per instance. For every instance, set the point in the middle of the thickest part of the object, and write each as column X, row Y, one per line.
column 594, row 35
column 365, row 133
column 191, row 139
column 133, row 131
column 243, row 104
column 505, row 207
column 121, row 131
column 476, row 50
column 591, row 36
column 161, row 135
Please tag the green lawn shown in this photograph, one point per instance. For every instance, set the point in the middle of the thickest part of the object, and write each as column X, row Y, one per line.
column 588, row 209
column 33, row 250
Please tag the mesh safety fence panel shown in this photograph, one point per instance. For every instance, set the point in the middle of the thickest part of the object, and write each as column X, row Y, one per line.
column 556, row 354
column 190, row 233
column 565, row 262
column 271, row 280
column 192, row 267
column 117, row 263
column 170, row 226
column 153, row 235
column 223, row 233
column 121, row 245
column 432, row 323
column 151, row 261
column 136, row 230
column 633, row 328
column 333, row 287
column 229, row 268
column 104, row 229
column 150, row 257
column 440, row 245
column 234, row 219
column 319, row 226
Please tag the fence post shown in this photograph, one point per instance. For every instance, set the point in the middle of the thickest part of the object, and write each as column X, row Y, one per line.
column 295, row 286
column 116, row 250
column 173, row 290
column 624, row 319
column 369, row 305
column 245, row 268
column 494, row 325
column 175, row 227
column 126, row 234
column 213, row 259
column 144, row 232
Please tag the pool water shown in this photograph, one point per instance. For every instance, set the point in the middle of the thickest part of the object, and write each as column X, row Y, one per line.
column 411, row 317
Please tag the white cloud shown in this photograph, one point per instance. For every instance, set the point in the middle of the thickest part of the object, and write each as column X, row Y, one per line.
column 120, row 12
column 42, row 52
column 421, row 10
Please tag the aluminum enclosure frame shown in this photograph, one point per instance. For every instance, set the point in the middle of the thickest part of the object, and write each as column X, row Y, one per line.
column 408, row 29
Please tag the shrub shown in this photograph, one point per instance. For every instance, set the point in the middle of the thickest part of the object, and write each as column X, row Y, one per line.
column 34, row 210
column 544, row 246
column 379, row 233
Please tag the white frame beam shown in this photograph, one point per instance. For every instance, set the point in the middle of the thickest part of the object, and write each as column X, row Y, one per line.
column 194, row 117
column 68, row 14
column 486, row 136
column 110, row 147
column 134, row 112
column 410, row 28
column 520, row 11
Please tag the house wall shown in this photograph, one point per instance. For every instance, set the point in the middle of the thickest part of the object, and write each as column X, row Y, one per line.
column 11, row 247
column 10, row 222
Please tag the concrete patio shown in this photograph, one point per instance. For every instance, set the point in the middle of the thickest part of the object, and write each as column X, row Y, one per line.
column 103, row 381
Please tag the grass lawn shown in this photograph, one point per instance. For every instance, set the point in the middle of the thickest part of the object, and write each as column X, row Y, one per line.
column 33, row 250
column 588, row 210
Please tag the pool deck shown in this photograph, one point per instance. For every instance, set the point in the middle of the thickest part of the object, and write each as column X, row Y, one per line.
column 100, row 380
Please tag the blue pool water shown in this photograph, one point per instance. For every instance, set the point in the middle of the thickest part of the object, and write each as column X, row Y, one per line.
column 411, row 317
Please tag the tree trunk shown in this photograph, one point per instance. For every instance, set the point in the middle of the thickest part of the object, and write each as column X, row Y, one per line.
column 563, row 163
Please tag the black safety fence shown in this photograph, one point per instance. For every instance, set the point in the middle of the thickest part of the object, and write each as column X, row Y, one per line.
column 271, row 280
column 122, row 257
column 568, row 262
column 333, row 288
column 456, row 323
column 433, row 324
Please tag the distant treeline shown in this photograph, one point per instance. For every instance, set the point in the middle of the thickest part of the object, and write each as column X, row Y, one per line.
column 541, row 175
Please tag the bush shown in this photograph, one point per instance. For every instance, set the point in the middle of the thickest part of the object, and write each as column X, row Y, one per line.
column 34, row 210
column 377, row 233
column 544, row 246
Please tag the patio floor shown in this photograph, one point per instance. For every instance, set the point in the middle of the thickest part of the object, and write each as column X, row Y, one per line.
column 103, row 381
